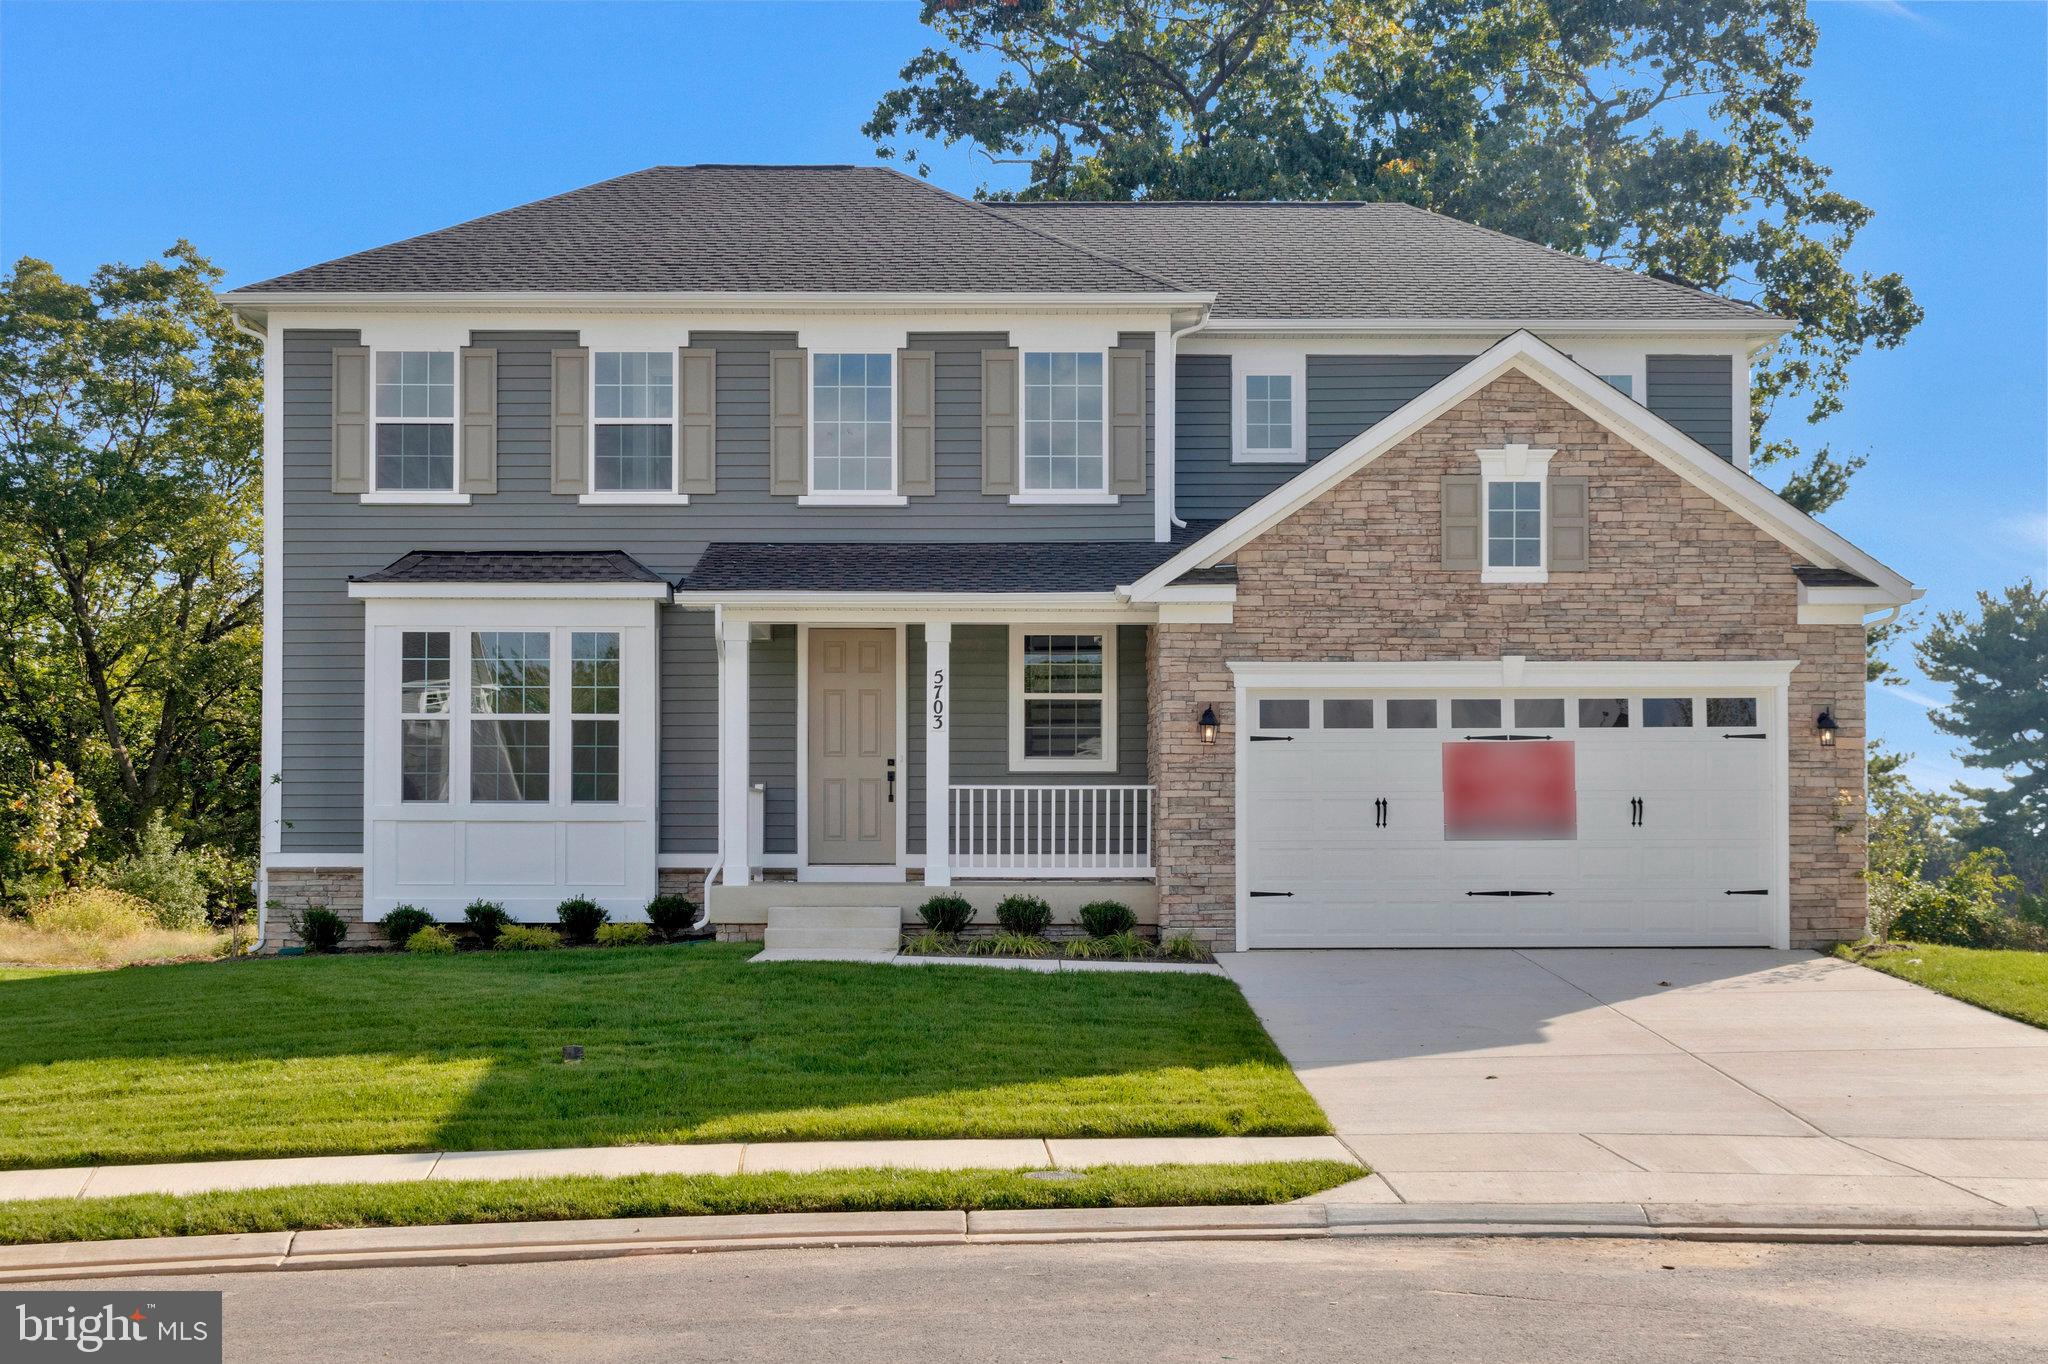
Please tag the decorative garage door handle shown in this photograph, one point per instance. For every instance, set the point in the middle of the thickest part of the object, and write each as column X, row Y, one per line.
column 1511, row 892
column 1745, row 736
column 1272, row 894
column 1379, row 813
column 1289, row 738
column 1503, row 738
column 1745, row 892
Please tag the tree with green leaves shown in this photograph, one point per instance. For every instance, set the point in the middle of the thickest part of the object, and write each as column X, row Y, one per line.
column 1662, row 135
column 130, row 484
column 1995, row 665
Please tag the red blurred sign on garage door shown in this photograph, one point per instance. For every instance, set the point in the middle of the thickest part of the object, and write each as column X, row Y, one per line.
column 1510, row 790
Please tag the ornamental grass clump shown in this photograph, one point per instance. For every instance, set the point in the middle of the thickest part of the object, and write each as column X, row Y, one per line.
column 527, row 938
column 624, row 935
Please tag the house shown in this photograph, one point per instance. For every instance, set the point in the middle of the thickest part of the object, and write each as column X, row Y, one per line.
column 1302, row 574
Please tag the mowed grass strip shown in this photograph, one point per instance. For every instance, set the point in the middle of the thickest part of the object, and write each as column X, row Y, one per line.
column 316, row 1056
column 2005, row 982
column 434, row 1203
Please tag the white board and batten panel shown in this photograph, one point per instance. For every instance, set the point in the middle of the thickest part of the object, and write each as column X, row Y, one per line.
column 1654, row 814
column 527, row 854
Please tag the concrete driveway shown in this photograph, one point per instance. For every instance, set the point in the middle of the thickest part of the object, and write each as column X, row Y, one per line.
column 1672, row 1076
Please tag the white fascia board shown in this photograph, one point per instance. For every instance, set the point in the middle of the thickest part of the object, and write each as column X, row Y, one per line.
column 916, row 606
column 1196, row 592
column 256, row 304
column 510, row 591
column 1543, row 363
column 1513, row 673
column 1771, row 327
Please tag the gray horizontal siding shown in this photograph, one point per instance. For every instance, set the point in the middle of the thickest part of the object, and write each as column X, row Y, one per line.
column 1696, row 394
column 981, row 711
column 1347, row 394
column 327, row 538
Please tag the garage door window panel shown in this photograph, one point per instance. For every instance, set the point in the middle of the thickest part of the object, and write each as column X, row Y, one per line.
column 1731, row 712
column 1347, row 713
column 1667, row 712
column 1284, row 713
column 1539, row 712
column 1411, row 713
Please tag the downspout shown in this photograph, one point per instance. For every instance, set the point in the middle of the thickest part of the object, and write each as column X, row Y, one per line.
column 1173, row 419
column 262, row 338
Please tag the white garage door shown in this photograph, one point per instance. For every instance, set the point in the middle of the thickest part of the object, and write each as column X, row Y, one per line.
column 1488, row 819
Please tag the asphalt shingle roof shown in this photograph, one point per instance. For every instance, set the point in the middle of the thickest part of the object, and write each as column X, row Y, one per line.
column 1365, row 260
column 735, row 229
column 1042, row 566
column 514, row 566
column 1829, row 577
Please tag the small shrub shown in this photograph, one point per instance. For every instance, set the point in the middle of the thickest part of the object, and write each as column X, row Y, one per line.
column 947, row 915
column 486, row 919
column 172, row 878
column 930, row 944
column 399, row 926
column 580, row 918
column 624, row 935
column 1009, row 945
column 431, row 941
column 671, row 915
column 526, row 938
column 1183, row 947
column 319, row 928
column 92, row 912
column 1106, row 918
column 1024, row 915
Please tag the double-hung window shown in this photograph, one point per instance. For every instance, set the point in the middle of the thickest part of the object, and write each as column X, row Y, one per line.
column 1063, row 699
column 1269, row 409
column 1064, row 449
column 415, row 415
column 633, row 450
column 424, row 704
column 853, row 446
column 1515, row 547
column 594, row 716
column 509, row 699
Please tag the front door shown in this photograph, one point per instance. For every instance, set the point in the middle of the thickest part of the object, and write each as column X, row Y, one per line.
column 852, row 747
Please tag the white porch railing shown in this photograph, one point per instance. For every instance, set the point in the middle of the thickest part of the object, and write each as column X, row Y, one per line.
column 1052, row 831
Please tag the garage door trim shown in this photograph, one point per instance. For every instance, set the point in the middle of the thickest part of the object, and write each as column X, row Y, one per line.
column 1769, row 679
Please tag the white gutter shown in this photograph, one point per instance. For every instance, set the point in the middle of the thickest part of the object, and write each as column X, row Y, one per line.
column 1494, row 327
column 249, row 301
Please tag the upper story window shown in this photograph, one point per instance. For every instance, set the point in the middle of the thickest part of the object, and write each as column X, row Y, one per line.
column 633, row 450
column 1625, row 384
column 1269, row 401
column 415, row 414
column 1063, row 426
column 1513, row 495
column 853, row 447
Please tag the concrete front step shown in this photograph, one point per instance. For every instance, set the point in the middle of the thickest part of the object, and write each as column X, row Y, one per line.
column 833, row 928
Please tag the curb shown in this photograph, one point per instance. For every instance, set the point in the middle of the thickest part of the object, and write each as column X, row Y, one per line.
column 515, row 1242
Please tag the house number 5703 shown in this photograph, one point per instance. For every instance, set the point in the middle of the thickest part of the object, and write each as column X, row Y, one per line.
column 938, row 698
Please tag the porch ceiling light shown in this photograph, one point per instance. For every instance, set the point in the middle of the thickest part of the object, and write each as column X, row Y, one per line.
column 1824, row 725
column 1206, row 726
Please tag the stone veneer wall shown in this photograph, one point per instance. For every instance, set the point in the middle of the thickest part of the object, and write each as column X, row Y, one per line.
column 1357, row 576
column 297, row 888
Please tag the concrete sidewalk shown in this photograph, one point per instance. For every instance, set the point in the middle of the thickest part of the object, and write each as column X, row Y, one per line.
column 794, row 1157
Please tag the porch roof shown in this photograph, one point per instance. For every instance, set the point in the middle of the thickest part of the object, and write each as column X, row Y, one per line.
column 1036, row 566
column 424, row 566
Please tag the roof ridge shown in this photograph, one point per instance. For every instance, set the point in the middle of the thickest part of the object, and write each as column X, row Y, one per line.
column 1057, row 240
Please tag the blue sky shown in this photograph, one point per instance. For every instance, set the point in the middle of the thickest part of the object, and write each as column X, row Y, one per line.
column 278, row 135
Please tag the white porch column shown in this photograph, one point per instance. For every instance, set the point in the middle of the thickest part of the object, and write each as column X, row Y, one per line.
column 938, row 752
column 735, row 848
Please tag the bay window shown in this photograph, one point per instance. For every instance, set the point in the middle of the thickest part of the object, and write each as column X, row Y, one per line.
column 423, row 705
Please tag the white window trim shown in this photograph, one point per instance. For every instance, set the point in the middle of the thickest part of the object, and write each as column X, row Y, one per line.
column 620, row 497
column 1245, row 364
column 1029, row 496
column 1108, row 761
column 865, row 497
column 1514, row 464
column 432, row 497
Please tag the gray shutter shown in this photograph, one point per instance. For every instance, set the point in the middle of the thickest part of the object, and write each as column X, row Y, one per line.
column 999, row 427
column 1570, row 546
column 351, row 428
column 788, row 403
column 697, row 419
column 916, row 402
column 569, row 420
column 1461, row 521
column 479, row 434
column 1127, row 420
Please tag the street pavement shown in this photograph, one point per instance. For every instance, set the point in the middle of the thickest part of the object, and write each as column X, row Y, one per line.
column 1496, row 1301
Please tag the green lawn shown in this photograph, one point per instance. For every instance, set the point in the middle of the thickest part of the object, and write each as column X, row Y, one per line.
column 424, row 1203
column 390, row 1053
column 2006, row 982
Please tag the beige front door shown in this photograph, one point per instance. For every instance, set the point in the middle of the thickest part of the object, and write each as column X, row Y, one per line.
column 852, row 750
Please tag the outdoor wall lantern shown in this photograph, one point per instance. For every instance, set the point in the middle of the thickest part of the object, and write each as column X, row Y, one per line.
column 1206, row 726
column 1825, row 725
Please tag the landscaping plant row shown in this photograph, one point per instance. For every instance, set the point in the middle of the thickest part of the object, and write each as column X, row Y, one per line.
column 579, row 921
column 1022, row 922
